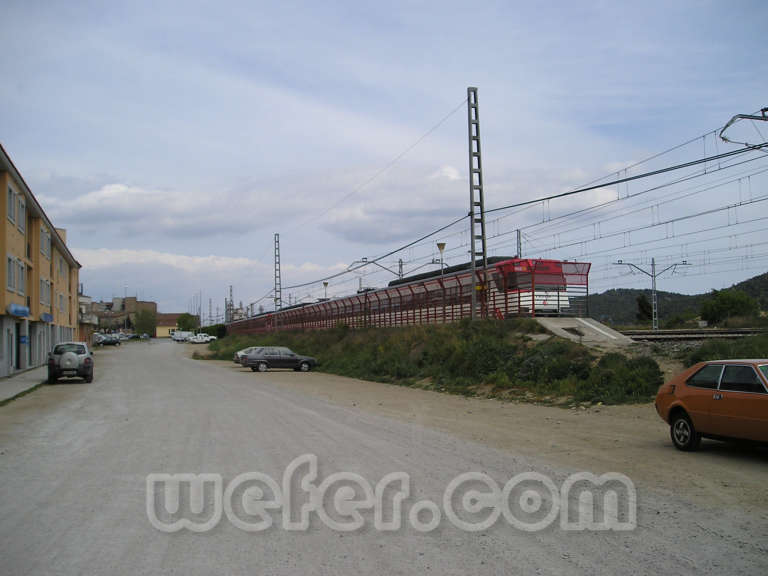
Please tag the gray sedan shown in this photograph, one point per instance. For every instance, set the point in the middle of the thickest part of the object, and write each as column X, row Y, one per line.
column 262, row 359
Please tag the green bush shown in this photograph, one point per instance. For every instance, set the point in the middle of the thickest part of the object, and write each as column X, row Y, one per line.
column 618, row 379
column 723, row 304
column 717, row 349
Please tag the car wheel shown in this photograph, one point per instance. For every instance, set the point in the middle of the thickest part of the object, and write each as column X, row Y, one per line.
column 51, row 378
column 89, row 378
column 253, row 368
column 304, row 366
column 683, row 433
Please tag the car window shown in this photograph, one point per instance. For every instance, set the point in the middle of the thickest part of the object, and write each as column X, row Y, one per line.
column 64, row 348
column 764, row 370
column 741, row 379
column 707, row 377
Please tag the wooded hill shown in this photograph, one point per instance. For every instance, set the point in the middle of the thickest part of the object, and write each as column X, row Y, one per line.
column 619, row 306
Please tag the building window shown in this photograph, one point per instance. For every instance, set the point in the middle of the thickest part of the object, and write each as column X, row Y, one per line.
column 61, row 302
column 11, row 205
column 22, row 215
column 21, row 280
column 45, row 292
column 11, row 271
column 45, row 243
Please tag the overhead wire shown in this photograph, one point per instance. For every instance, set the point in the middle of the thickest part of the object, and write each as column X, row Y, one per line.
column 387, row 166
column 704, row 160
column 631, row 178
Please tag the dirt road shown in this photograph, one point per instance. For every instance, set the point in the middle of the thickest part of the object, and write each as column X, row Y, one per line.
column 631, row 439
column 74, row 461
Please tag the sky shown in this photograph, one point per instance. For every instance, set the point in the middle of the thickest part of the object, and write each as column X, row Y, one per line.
column 174, row 139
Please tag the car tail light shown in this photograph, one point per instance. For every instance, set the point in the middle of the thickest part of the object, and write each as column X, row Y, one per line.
column 51, row 361
column 87, row 362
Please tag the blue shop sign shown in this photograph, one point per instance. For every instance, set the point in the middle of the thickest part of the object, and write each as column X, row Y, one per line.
column 16, row 310
column 23, row 339
column 45, row 317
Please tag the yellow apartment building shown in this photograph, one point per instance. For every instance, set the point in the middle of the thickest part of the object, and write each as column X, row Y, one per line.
column 38, row 300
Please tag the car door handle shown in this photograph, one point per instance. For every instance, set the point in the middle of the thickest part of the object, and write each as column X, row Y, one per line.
column 717, row 396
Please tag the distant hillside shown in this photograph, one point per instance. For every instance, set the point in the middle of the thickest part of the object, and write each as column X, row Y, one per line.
column 619, row 306
column 756, row 287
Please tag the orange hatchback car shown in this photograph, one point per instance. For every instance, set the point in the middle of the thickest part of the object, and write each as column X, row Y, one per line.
column 721, row 399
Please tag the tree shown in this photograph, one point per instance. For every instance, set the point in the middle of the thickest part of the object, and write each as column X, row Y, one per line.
column 187, row 322
column 644, row 309
column 726, row 303
column 146, row 322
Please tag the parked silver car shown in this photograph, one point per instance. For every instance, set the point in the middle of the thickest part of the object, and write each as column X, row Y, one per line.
column 70, row 359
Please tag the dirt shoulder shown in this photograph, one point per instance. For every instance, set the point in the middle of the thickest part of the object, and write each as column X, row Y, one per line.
column 630, row 439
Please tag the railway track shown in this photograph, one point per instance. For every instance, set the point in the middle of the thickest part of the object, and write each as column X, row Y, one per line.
column 700, row 334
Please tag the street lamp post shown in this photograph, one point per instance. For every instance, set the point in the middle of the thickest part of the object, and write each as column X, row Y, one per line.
column 441, row 247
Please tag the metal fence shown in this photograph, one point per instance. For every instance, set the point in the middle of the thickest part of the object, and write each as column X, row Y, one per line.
column 510, row 288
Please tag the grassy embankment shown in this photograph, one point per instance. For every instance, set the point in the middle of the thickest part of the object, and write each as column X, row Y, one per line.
column 750, row 347
column 496, row 358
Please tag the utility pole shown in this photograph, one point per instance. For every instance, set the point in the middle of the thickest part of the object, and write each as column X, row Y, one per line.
column 653, row 275
column 519, row 243
column 228, row 306
column 278, row 286
column 210, row 311
column 476, row 201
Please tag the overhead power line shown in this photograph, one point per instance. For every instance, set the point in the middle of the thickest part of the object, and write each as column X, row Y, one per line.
column 632, row 178
column 377, row 259
column 596, row 207
column 617, row 181
column 387, row 166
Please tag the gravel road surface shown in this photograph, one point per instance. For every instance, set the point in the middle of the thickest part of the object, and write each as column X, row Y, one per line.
column 74, row 461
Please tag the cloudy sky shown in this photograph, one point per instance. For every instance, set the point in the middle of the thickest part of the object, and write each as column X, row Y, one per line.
column 173, row 139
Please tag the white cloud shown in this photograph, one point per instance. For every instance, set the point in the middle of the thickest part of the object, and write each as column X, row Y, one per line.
column 446, row 172
column 101, row 258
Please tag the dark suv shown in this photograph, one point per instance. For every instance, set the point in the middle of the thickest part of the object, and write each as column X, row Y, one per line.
column 262, row 359
column 70, row 359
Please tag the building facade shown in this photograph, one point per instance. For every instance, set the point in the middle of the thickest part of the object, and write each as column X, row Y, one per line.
column 88, row 323
column 39, row 300
column 167, row 324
